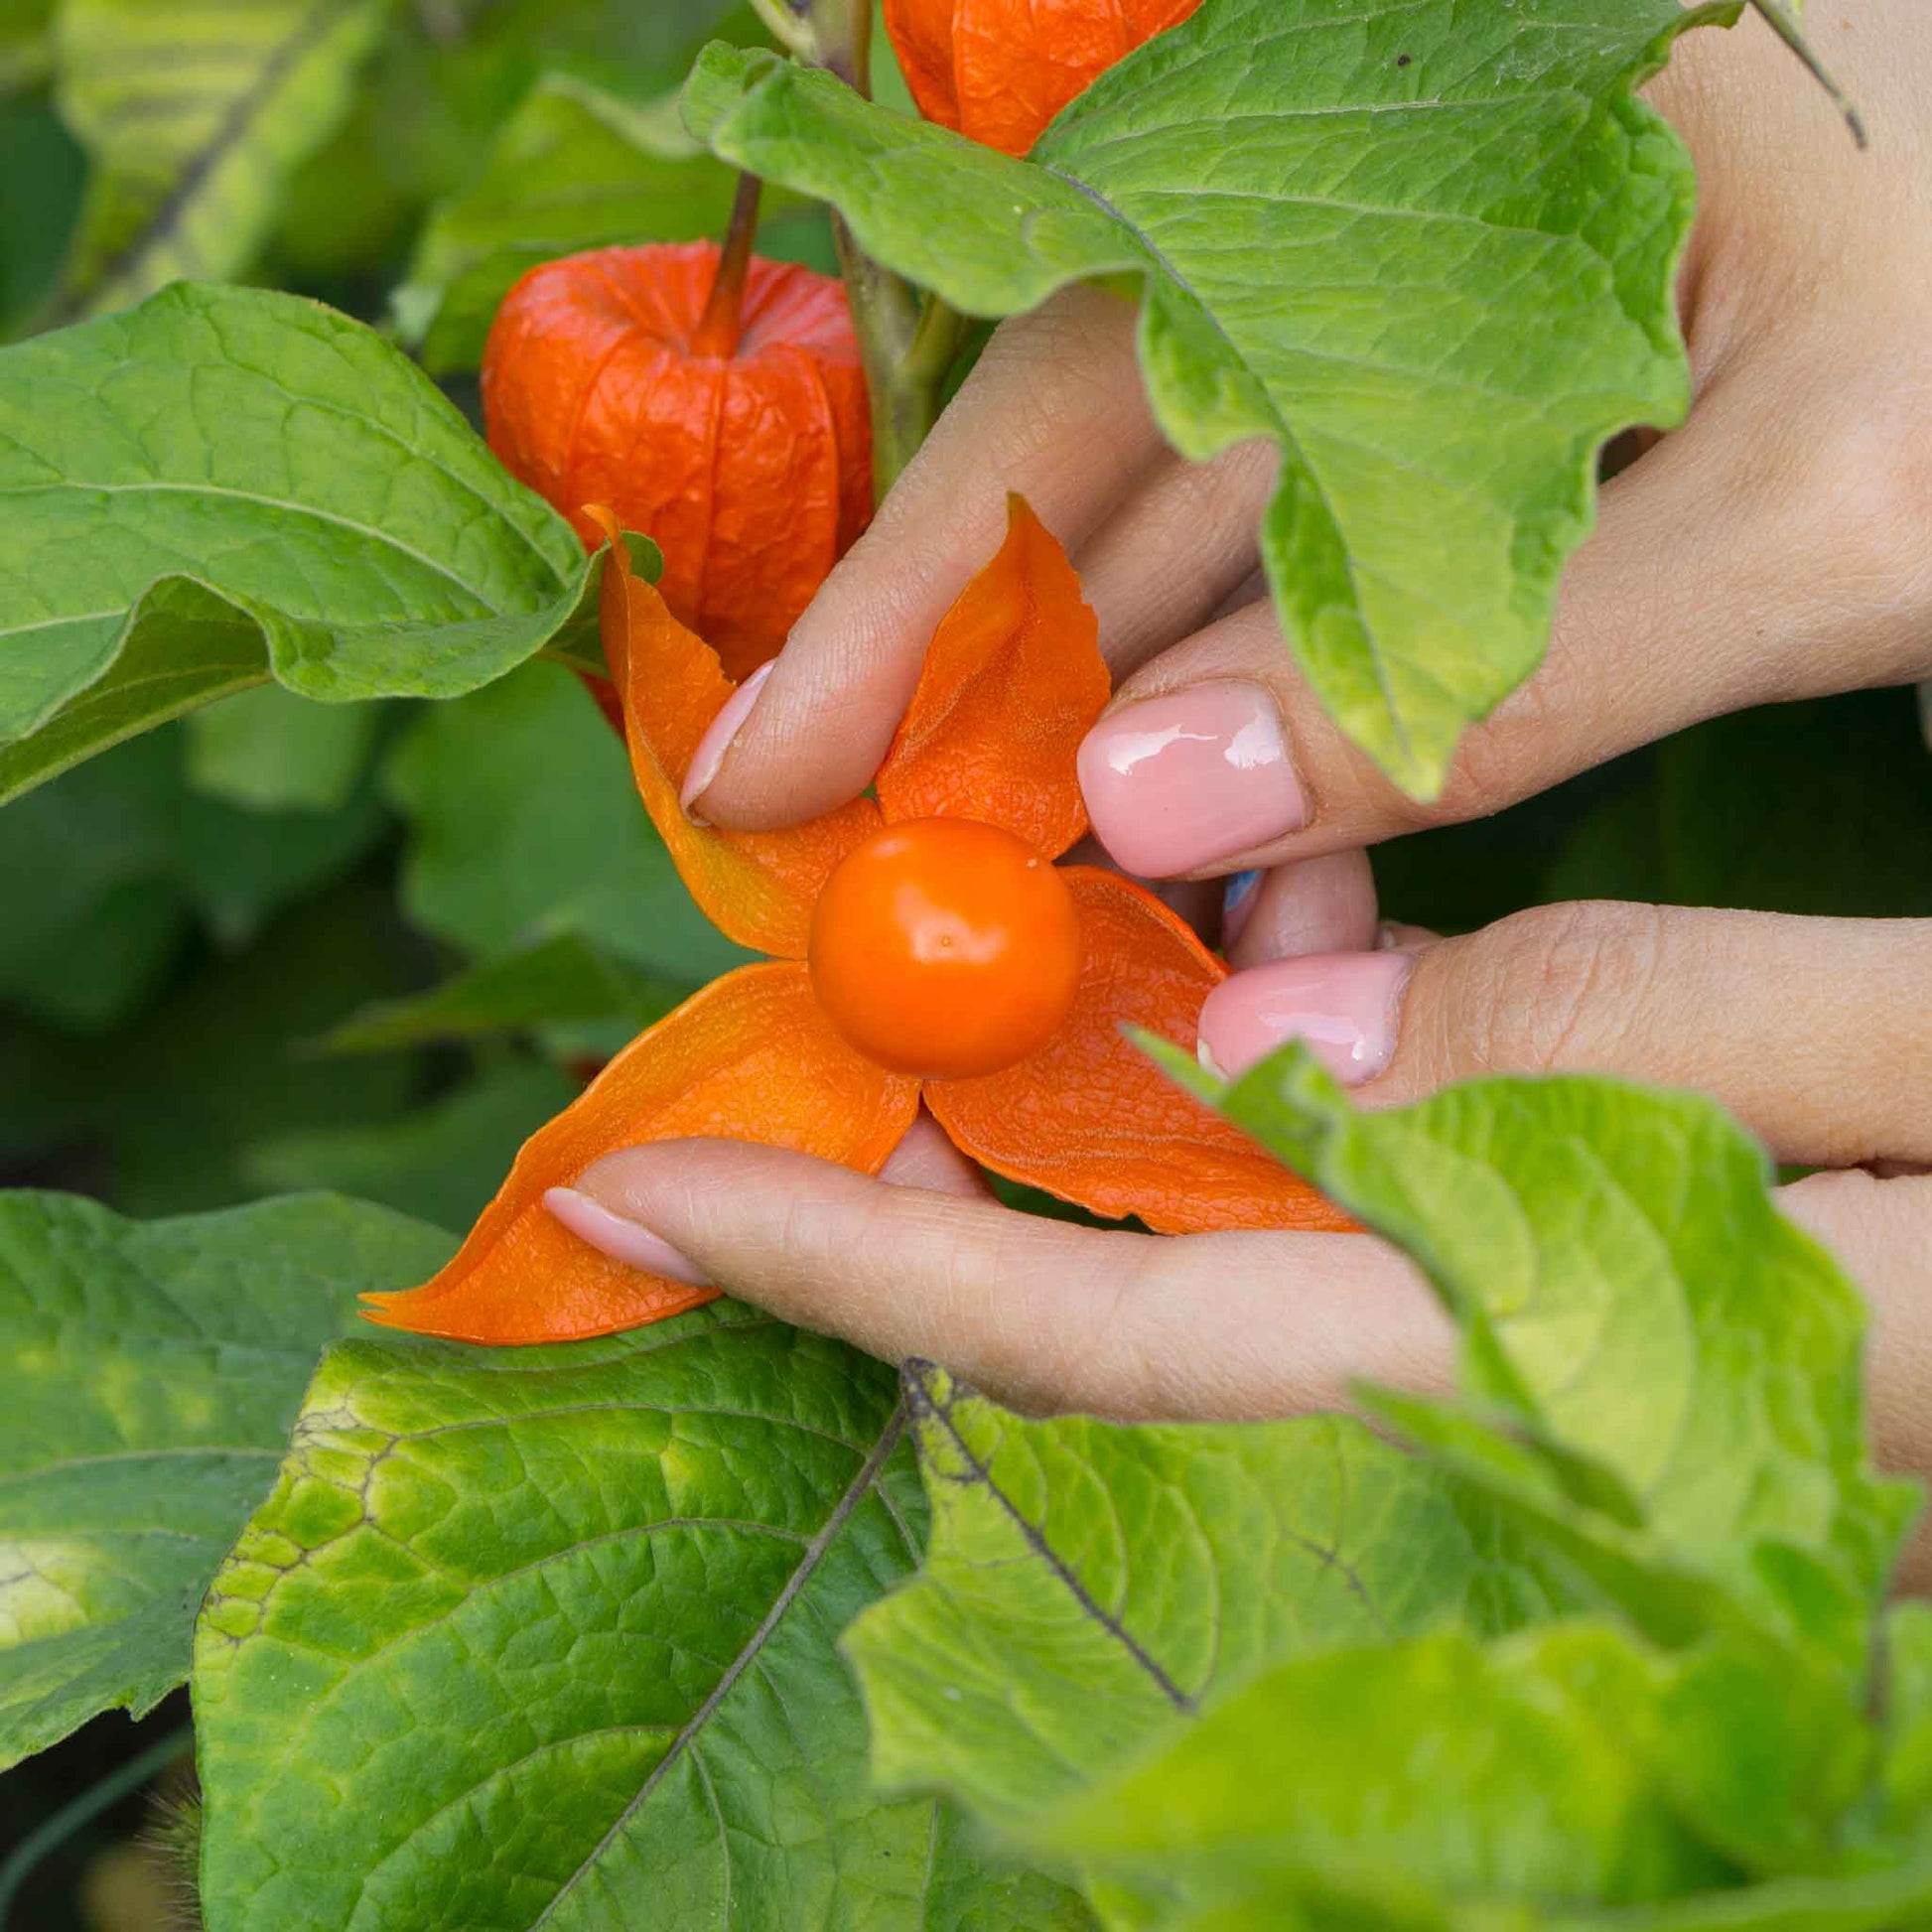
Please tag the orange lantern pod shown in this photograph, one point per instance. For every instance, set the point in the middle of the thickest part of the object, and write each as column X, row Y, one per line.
column 925, row 948
column 998, row 71
column 736, row 433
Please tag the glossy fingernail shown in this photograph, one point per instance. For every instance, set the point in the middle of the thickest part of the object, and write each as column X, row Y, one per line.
column 1237, row 906
column 716, row 741
column 1176, row 782
column 626, row 1241
column 1345, row 1005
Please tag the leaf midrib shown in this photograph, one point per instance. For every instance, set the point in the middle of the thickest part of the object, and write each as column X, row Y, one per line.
column 814, row 1553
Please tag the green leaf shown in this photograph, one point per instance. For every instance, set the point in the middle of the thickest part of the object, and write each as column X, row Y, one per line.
column 524, row 824
column 269, row 750
column 1908, row 1719
column 42, row 171
column 195, row 114
column 575, row 167
column 1632, row 1301
column 1426, row 251
column 1471, row 1774
column 1090, row 1585
column 151, row 1375
column 440, row 1162
column 224, row 485
column 566, row 1619
column 554, row 982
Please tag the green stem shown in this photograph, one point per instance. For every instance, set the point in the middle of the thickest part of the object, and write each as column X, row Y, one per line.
column 788, row 27
column 48, row 1837
column 907, row 338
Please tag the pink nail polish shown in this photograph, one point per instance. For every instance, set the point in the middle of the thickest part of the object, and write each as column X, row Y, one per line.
column 716, row 741
column 1176, row 782
column 1345, row 1005
column 625, row 1241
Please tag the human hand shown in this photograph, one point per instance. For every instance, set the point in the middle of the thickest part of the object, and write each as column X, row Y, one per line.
column 1778, row 546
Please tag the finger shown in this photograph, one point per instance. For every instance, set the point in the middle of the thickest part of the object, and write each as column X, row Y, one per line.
column 1318, row 906
column 1816, row 1033
column 1168, row 558
column 1037, row 1312
column 1881, row 1232
column 1054, row 410
column 1771, row 549
column 928, row 1159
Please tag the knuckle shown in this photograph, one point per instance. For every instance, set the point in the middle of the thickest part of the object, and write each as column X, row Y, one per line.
column 1558, row 987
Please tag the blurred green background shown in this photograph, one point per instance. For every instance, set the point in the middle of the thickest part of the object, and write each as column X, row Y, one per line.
column 281, row 946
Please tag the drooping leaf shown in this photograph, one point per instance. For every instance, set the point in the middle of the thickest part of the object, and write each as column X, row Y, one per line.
column 195, row 112
column 269, row 750
column 1427, row 251
column 575, row 167
column 226, row 484
column 556, row 982
column 1091, row 1586
column 567, row 1618
column 149, row 1380
column 1659, row 1368
column 525, row 823
column 441, row 1161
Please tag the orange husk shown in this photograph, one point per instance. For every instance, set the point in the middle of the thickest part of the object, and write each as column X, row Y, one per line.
column 1091, row 1119
column 1013, row 681
column 751, row 1057
column 756, row 888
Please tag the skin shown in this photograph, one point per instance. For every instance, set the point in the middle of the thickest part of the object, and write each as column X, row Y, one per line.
column 1778, row 546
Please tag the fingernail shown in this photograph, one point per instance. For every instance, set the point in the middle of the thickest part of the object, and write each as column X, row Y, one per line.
column 1237, row 905
column 1176, row 782
column 1345, row 1005
column 625, row 1241
column 716, row 741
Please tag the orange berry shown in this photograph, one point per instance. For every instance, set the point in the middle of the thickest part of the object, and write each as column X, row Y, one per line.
column 943, row 948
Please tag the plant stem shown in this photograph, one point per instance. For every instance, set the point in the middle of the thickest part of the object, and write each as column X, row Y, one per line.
column 787, row 24
column 907, row 338
column 55, row 1832
column 724, row 310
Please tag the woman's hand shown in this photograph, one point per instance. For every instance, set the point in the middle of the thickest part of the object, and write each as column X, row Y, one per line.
column 1780, row 545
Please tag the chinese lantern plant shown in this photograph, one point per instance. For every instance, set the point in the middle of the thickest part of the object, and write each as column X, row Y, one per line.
column 550, row 1636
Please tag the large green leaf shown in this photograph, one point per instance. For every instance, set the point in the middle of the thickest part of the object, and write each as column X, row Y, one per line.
column 1659, row 1367
column 547, row 1638
column 1471, row 1773
column 525, row 823
column 224, row 485
column 150, row 1376
column 1091, row 1586
column 195, row 114
column 1426, row 249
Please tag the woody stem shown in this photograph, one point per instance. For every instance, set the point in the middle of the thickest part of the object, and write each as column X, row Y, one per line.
column 724, row 311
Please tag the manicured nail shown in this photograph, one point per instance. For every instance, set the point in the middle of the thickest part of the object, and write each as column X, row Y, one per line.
column 1237, row 905
column 625, row 1241
column 1176, row 782
column 716, row 741
column 1345, row 1005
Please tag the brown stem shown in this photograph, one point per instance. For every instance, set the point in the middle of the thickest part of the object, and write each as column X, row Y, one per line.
column 724, row 311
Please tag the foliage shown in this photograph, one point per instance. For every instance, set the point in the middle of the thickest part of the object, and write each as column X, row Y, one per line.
column 1608, row 1641
column 600, row 1634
